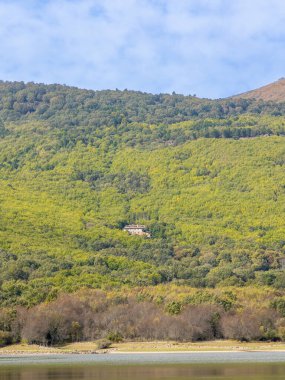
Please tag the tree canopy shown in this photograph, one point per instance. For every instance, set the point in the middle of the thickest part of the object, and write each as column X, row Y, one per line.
column 205, row 177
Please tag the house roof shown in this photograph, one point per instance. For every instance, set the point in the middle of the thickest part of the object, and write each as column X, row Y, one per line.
column 134, row 226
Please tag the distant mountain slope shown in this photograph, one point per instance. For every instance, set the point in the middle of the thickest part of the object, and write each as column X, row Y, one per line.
column 64, row 106
column 76, row 166
column 274, row 92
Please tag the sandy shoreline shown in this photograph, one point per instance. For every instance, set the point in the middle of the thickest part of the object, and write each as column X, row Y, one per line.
column 42, row 354
column 190, row 352
column 89, row 348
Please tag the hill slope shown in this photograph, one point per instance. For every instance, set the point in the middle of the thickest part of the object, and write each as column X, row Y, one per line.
column 210, row 190
column 64, row 106
column 274, row 92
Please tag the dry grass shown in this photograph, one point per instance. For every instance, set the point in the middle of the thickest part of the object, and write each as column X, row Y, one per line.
column 272, row 92
column 129, row 347
column 23, row 348
column 220, row 345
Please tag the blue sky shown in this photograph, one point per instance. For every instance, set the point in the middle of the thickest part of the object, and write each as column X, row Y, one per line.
column 212, row 48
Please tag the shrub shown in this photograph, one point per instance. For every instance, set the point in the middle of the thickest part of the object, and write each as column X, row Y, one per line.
column 103, row 344
column 281, row 333
column 174, row 308
column 5, row 338
column 115, row 337
column 250, row 325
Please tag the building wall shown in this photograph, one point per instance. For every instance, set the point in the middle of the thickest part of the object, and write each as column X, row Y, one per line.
column 282, row 263
column 137, row 231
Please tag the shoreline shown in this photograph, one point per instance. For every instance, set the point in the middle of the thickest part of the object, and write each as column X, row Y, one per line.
column 27, row 353
column 131, row 348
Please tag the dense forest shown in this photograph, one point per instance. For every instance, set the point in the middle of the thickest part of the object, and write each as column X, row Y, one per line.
column 205, row 176
column 65, row 106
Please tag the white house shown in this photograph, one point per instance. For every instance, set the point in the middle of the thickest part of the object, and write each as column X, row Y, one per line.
column 137, row 229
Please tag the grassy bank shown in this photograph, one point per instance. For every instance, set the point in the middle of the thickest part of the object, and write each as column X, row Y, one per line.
column 137, row 347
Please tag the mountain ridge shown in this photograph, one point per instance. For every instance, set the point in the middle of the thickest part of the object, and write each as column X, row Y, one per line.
column 274, row 92
column 62, row 105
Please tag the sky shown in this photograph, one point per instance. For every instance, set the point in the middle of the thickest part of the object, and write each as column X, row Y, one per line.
column 211, row 48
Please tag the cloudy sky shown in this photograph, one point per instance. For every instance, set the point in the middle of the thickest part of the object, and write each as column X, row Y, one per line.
column 212, row 48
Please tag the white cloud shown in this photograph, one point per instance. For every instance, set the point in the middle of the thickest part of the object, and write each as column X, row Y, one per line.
column 212, row 48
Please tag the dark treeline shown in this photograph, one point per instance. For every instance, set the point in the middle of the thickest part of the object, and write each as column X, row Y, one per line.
column 131, row 118
column 75, row 318
column 70, row 106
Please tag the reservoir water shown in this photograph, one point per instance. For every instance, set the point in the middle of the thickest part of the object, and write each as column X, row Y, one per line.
column 155, row 366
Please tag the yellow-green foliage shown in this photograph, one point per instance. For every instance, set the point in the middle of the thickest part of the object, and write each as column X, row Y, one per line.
column 214, row 206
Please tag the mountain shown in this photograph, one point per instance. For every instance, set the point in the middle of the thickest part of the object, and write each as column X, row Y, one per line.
column 274, row 92
column 205, row 177
column 64, row 106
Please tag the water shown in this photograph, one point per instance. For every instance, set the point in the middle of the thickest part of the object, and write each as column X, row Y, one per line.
column 171, row 366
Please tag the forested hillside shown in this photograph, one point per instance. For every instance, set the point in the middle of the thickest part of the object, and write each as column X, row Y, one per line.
column 65, row 106
column 206, row 178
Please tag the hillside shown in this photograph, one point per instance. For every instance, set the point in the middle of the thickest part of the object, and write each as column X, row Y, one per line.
column 274, row 92
column 68, row 107
column 206, row 178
